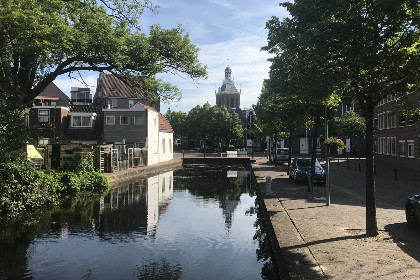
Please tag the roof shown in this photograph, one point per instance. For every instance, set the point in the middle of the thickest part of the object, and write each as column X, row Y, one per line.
column 91, row 134
column 164, row 124
column 112, row 86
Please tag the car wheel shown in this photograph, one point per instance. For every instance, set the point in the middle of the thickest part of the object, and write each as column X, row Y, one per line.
column 411, row 216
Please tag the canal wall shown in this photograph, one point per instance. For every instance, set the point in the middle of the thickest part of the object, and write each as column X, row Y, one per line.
column 128, row 174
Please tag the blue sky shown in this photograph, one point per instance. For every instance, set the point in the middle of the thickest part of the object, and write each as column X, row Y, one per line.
column 227, row 32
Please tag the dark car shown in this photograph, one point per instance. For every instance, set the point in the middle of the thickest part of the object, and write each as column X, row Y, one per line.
column 281, row 155
column 412, row 210
column 300, row 167
column 206, row 149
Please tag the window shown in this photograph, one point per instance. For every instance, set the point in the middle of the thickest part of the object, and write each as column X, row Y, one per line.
column 124, row 120
column 139, row 119
column 393, row 143
column 170, row 145
column 163, row 146
column 388, row 145
column 402, row 121
column 402, row 148
column 394, row 121
column 110, row 119
column 130, row 103
column 114, row 103
column 154, row 121
column 44, row 116
column 43, row 142
column 81, row 121
column 410, row 148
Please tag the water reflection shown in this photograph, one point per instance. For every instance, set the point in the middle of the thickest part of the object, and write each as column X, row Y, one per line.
column 135, row 207
column 191, row 223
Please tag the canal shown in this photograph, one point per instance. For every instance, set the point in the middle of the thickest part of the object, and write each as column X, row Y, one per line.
column 198, row 222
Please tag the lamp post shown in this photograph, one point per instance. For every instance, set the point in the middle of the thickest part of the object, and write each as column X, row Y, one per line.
column 327, row 186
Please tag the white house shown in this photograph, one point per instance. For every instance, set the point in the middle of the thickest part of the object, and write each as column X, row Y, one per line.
column 140, row 126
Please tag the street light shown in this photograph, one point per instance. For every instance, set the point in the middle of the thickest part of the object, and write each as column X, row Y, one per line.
column 327, row 187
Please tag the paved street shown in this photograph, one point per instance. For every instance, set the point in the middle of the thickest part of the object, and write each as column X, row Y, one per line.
column 325, row 242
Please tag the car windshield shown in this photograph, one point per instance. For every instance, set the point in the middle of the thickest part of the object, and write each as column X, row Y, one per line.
column 304, row 163
column 282, row 152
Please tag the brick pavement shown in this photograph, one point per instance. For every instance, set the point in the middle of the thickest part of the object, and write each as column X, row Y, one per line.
column 316, row 241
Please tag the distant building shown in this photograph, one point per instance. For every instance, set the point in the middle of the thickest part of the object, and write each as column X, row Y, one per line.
column 80, row 96
column 50, row 108
column 397, row 138
column 113, row 93
column 228, row 95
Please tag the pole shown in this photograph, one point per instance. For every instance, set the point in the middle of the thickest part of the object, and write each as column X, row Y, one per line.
column 327, row 184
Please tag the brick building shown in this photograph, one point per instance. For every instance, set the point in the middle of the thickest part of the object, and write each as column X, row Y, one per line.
column 397, row 138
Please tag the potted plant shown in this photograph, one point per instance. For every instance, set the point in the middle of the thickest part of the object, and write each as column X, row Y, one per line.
column 334, row 142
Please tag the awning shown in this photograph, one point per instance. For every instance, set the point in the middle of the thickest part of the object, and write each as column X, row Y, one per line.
column 47, row 97
column 32, row 152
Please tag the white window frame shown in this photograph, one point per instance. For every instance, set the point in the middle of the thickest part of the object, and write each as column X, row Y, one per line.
column 43, row 141
column 402, row 151
column 410, row 149
column 114, row 103
column 81, row 121
column 107, row 118
column 44, row 117
column 128, row 120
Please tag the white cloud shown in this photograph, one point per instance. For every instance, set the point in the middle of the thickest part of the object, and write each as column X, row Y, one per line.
column 89, row 80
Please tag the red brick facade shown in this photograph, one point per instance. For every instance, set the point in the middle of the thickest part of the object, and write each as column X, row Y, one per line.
column 397, row 139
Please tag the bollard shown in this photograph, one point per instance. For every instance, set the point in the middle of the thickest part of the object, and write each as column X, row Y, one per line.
column 183, row 154
column 348, row 163
column 396, row 174
column 204, row 154
column 338, row 161
column 268, row 185
column 374, row 170
column 360, row 167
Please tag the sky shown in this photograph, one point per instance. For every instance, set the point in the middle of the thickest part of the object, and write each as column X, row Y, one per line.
column 227, row 32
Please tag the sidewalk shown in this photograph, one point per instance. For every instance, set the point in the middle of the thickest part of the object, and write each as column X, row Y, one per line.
column 316, row 241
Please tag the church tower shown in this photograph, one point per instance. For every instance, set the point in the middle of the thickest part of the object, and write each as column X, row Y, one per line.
column 227, row 95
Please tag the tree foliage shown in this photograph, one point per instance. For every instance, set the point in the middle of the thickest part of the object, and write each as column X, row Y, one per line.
column 206, row 123
column 353, row 51
column 41, row 40
column 349, row 125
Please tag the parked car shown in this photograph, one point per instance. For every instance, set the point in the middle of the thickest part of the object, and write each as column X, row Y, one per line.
column 300, row 167
column 412, row 210
column 281, row 155
column 206, row 149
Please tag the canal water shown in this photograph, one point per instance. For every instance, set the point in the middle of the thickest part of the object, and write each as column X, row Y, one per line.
column 192, row 223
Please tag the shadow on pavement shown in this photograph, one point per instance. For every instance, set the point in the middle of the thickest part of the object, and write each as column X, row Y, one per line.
column 408, row 239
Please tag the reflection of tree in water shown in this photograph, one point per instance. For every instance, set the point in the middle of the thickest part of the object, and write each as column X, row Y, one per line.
column 15, row 238
column 212, row 183
column 159, row 270
column 269, row 271
column 14, row 242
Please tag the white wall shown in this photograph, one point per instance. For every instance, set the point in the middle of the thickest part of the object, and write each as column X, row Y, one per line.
column 166, row 146
column 152, row 137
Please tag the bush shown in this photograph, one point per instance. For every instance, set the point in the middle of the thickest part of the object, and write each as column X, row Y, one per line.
column 25, row 190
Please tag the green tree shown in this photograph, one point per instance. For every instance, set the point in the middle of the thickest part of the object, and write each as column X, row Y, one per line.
column 178, row 121
column 372, row 48
column 212, row 123
column 41, row 40
column 349, row 125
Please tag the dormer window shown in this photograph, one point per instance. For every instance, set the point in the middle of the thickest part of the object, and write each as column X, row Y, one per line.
column 82, row 120
column 112, row 89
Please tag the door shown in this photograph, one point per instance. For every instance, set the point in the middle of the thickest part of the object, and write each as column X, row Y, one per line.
column 304, row 146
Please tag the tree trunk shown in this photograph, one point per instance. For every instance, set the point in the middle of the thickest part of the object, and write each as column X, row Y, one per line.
column 289, row 161
column 371, row 223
